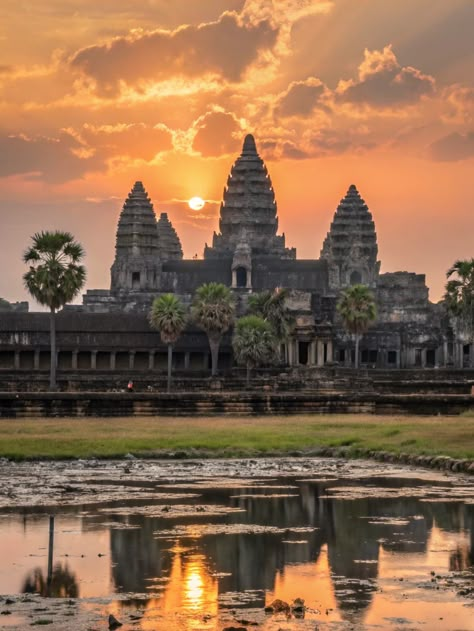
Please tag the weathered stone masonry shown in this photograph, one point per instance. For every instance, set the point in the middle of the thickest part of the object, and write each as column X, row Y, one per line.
column 110, row 332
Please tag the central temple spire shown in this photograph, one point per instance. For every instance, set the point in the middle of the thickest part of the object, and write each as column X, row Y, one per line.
column 249, row 210
column 249, row 148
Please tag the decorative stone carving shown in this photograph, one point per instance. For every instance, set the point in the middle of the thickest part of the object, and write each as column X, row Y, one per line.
column 249, row 206
column 350, row 246
column 242, row 264
column 137, row 264
column 170, row 245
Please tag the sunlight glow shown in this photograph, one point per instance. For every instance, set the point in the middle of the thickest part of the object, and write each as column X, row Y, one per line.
column 196, row 203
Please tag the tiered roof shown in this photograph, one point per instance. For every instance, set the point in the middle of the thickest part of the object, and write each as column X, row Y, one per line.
column 352, row 227
column 249, row 209
column 136, row 233
column 170, row 245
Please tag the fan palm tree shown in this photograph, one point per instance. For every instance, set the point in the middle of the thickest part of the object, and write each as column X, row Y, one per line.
column 213, row 311
column 253, row 343
column 356, row 306
column 55, row 278
column 168, row 316
column 271, row 306
column 459, row 296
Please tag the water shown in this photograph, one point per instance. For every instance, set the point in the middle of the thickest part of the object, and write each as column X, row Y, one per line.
column 384, row 552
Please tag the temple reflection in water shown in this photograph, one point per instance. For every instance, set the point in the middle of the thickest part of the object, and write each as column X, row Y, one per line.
column 339, row 560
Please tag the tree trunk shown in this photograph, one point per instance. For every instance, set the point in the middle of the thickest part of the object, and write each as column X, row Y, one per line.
column 214, row 346
column 53, row 358
column 356, row 359
column 170, row 363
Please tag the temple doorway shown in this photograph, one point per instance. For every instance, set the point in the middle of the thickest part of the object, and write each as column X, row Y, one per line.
column 241, row 277
column 303, row 353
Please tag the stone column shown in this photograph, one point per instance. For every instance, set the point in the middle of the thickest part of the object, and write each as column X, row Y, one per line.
column 36, row 360
column 330, row 352
column 113, row 357
column 16, row 360
column 320, row 360
column 74, row 355
column 93, row 360
column 289, row 349
column 445, row 353
column 131, row 360
column 151, row 360
column 187, row 358
column 312, row 353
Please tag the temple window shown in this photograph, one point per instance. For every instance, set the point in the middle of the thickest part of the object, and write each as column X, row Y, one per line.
column 356, row 278
column 135, row 280
column 241, row 277
column 303, row 354
column 430, row 357
column 392, row 357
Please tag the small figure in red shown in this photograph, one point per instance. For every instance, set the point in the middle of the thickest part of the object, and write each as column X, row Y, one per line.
column 130, row 386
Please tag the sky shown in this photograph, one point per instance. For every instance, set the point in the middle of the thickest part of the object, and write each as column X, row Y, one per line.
column 377, row 93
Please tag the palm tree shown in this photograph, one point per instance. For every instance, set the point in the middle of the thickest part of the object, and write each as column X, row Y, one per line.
column 55, row 277
column 253, row 343
column 272, row 307
column 459, row 296
column 213, row 311
column 168, row 316
column 356, row 306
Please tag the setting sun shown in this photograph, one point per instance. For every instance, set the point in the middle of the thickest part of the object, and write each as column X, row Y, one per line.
column 196, row 203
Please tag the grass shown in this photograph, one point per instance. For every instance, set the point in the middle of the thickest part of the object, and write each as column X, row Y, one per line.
column 115, row 437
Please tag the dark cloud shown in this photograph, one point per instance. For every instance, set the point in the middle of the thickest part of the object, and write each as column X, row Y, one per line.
column 301, row 98
column 453, row 147
column 225, row 48
column 133, row 140
column 384, row 83
column 216, row 134
column 53, row 160
column 291, row 151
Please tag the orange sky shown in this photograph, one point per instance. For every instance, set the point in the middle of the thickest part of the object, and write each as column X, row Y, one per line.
column 94, row 95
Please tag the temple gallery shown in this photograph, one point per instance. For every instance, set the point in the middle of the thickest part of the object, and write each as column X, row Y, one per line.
column 110, row 330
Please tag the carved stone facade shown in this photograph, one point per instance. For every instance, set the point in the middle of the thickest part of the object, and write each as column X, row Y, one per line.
column 137, row 264
column 169, row 243
column 248, row 211
column 350, row 247
column 249, row 255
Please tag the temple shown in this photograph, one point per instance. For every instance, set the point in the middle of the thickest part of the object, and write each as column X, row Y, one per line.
column 110, row 331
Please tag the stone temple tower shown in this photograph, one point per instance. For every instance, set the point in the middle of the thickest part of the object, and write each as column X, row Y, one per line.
column 350, row 247
column 248, row 213
column 169, row 243
column 137, row 263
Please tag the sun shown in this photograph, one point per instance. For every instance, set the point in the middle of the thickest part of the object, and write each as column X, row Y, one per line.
column 196, row 203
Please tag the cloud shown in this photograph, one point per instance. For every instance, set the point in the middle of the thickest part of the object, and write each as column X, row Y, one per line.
column 135, row 140
column 53, row 160
column 300, row 99
column 218, row 133
column 383, row 83
column 226, row 48
column 459, row 101
column 453, row 147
